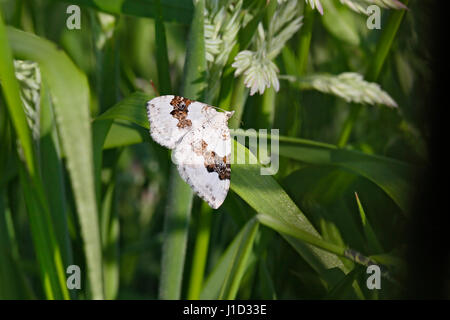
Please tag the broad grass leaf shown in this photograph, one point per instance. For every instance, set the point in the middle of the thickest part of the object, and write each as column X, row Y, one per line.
column 53, row 173
column 70, row 95
column 42, row 230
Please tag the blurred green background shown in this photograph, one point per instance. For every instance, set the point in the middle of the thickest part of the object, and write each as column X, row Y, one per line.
column 81, row 181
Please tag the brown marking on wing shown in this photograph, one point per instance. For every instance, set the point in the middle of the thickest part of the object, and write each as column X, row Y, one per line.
column 206, row 107
column 199, row 148
column 214, row 163
column 180, row 111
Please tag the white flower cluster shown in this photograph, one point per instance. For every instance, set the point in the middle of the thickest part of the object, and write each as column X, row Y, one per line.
column 29, row 77
column 221, row 26
column 258, row 68
column 222, row 23
column 349, row 86
column 259, row 72
column 315, row 4
column 360, row 6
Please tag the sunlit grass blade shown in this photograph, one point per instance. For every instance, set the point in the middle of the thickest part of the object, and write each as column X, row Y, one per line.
column 49, row 255
column 72, row 115
column 123, row 134
column 52, row 173
column 275, row 207
column 132, row 108
column 47, row 249
column 10, row 88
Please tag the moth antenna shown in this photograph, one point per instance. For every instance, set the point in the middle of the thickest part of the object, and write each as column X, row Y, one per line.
column 154, row 88
column 220, row 108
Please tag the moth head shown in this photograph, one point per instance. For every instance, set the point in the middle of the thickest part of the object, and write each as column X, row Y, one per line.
column 229, row 114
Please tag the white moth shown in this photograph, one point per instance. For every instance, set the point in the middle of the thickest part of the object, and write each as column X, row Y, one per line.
column 201, row 143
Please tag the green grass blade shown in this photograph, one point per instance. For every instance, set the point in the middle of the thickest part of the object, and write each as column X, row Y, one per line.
column 194, row 81
column 305, row 40
column 180, row 194
column 392, row 176
column 344, row 289
column 340, row 22
column 265, row 281
column 52, row 174
column 44, row 239
column 162, row 56
column 72, row 115
column 10, row 88
column 110, row 239
column 123, row 134
column 383, row 47
column 12, row 277
column 173, row 10
column 267, row 114
column 224, row 280
column 49, row 255
column 372, row 240
column 132, row 108
column 200, row 254
column 176, row 224
column 238, row 265
column 275, row 207
column 385, row 43
column 106, row 40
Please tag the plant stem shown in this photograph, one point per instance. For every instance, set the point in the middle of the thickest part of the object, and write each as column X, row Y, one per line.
column 305, row 40
column 318, row 242
column 200, row 252
column 161, row 52
column 382, row 50
column 178, row 212
column 237, row 102
column 176, row 224
column 267, row 114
